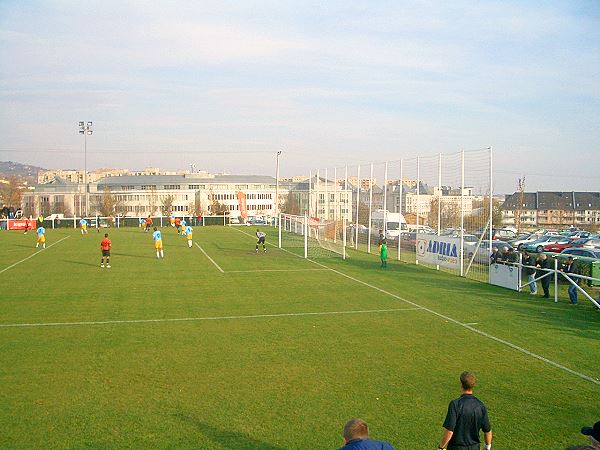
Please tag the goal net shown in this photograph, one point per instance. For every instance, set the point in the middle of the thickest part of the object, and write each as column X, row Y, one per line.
column 312, row 237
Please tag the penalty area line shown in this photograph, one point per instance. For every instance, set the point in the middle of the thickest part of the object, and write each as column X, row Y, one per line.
column 211, row 260
column 33, row 254
column 457, row 322
column 196, row 319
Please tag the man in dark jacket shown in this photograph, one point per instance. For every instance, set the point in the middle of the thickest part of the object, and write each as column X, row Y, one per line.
column 542, row 263
column 571, row 268
column 529, row 270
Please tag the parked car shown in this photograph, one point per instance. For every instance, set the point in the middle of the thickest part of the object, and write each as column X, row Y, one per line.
column 538, row 246
column 584, row 252
column 524, row 239
column 592, row 243
column 558, row 246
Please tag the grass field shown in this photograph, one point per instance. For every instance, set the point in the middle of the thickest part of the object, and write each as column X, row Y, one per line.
column 272, row 351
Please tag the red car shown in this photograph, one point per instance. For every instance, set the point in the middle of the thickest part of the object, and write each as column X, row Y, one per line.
column 558, row 246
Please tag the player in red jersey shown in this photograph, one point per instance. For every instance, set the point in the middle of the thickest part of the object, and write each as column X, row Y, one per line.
column 105, row 246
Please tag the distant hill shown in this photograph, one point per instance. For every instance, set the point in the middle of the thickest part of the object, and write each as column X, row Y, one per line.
column 10, row 169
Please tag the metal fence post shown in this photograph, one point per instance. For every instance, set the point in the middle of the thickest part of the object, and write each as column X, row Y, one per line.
column 400, row 208
column 555, row 280
column 357, row 205
column 462, row 212
column 418, row 205
column 370, row 209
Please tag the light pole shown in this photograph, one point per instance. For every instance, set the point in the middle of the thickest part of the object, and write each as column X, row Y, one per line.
column 85, row 129
column 277, row 185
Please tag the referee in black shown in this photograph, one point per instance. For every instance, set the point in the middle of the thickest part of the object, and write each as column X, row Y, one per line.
column 466, row 416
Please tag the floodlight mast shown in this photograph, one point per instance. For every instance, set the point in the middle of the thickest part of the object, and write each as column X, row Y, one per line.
column 85, row 129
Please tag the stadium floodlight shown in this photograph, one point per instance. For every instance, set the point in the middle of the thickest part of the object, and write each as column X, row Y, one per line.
column 85, row 129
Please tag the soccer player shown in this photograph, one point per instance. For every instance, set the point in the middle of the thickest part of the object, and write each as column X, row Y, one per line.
column 148, row 224
column 141, row 224
column 188, row 234
column 158, row 245
column 105, row 246
column 172, row 219
column 261, row 240
column 83, row 225
column 41, row 237
column 178, row 225
column 183, row 225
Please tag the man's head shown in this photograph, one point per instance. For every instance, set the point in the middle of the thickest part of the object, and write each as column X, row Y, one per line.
column 495, row 249
column 355, row 429
column 505, row 249
column 570, row 260
column 155, row 229
column 593, row 433
column 105, row 234
column 467, row 381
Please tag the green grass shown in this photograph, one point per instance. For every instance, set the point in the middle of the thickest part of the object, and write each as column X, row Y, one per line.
column 278, row 382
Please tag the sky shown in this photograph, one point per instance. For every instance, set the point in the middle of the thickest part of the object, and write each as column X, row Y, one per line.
column 225, row 85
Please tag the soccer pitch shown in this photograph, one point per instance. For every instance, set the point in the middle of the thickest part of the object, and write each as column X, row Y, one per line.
column 216, row 347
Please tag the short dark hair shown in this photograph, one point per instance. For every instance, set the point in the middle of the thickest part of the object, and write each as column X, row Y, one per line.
column 155, row 229
column 105, row 234
column 356, row 429
column 467, row 380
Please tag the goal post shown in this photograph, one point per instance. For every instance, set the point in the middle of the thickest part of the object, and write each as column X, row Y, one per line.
column 310, row 237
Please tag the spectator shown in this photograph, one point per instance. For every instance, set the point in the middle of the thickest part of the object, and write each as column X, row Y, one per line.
column 594, row 434
column 504, row 255
column 356, row 437
column 495, row 256
column 512, row 256
column 542, row 263
column 466, row 416
column 529, row 269
column 571, row 268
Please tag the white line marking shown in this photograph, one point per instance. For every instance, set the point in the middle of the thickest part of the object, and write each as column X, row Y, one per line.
column 464, row 325
column 471, row 323
column 211, row 260
column 33, row 254
column 193, row 319
column 277, row 270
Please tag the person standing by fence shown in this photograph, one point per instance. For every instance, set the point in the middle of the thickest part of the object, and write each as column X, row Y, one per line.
column 571, row 268
column 529, row 269
column 542, row 263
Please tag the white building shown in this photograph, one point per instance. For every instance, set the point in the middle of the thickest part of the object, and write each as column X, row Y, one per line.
column 142, row 195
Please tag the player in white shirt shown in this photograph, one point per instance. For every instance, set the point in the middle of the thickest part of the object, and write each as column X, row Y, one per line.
column 261, row 240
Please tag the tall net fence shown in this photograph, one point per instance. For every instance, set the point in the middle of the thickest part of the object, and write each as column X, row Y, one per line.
column 311, row 237
column 430, row 210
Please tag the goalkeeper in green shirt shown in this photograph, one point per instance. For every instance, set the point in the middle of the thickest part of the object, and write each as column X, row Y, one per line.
column 383, row 254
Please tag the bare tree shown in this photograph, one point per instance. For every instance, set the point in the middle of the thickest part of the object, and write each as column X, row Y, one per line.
column 292, row 204
column 167, row 203
column 11, row 193
column 107, row 203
